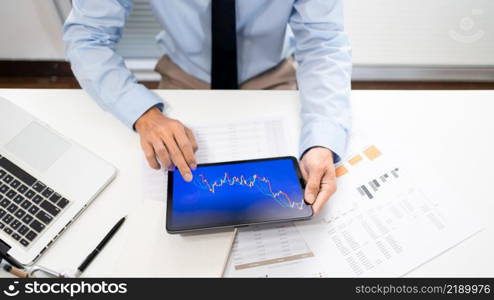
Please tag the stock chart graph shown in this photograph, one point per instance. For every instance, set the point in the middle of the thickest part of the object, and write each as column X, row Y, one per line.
column 239, row 192
column 260, row 183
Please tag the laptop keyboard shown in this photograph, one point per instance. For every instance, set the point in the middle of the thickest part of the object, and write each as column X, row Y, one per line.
column 27, row 206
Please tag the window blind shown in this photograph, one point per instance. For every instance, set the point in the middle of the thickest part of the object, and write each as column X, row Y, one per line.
column 138, row 40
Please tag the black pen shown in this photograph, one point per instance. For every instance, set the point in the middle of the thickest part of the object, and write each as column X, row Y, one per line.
column 98, row 248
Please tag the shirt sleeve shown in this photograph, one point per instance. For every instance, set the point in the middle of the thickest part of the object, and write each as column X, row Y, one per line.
column 323, row 53
column 91, row 32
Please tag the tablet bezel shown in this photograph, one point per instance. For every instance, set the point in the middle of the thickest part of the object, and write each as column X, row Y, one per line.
column 169, row 208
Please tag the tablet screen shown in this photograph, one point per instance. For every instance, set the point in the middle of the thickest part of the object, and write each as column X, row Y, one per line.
column 237, row 193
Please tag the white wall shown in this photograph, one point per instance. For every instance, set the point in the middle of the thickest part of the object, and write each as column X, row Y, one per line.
column 383, row 32
column 30, row 30
column 421, row 32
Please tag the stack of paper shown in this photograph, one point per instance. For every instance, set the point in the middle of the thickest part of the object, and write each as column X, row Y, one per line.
column 149, row 250
column 379, row 223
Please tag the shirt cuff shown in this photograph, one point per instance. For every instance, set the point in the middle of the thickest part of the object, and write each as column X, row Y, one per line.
column 324, row 134
column 134, row 103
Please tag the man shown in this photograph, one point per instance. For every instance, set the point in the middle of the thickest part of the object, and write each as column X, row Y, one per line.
column 223, row 44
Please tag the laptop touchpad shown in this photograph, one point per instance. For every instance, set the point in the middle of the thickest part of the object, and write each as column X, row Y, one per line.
column 38, row 146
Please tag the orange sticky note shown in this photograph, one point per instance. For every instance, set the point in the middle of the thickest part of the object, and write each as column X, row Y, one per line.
column 372, row 152
column 355, row 160
column 341, row 170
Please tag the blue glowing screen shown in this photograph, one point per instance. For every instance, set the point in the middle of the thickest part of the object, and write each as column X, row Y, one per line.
column 237, row 193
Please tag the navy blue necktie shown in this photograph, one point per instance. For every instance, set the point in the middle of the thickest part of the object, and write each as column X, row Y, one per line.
column 224, row 73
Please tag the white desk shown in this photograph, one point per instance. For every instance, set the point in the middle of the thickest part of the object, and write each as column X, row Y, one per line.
column 448, row 132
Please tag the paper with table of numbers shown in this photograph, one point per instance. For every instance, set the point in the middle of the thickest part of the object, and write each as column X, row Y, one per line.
column 379, row 223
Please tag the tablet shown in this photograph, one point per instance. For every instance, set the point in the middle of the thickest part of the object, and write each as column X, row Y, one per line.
column 234, row 194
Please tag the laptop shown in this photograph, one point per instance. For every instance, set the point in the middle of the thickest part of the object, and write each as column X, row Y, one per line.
column 46, row 182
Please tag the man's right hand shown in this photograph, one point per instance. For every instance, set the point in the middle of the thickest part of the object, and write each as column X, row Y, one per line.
column 167, row 142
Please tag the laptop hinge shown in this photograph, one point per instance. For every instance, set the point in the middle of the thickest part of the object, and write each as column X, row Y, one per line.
column 4, row 248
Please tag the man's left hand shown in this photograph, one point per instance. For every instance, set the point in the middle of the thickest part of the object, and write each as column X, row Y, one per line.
column 318, row 170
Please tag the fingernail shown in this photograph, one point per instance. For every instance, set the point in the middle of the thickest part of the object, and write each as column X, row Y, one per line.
column 310, row 198
column 193, row 166
column 188, row 177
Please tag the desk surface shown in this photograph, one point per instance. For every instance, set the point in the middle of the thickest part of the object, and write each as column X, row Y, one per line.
column 448, row 132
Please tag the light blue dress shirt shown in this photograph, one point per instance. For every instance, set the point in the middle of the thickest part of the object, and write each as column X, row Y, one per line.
column 268, row 32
